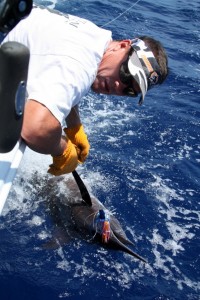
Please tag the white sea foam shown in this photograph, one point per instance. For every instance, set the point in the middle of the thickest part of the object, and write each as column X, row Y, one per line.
column 35, row 221
column 163, row 192
column 43, row 235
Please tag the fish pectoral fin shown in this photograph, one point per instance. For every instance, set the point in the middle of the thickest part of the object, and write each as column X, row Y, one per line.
column 125, row 248
column 118, row 231
column 123, row 238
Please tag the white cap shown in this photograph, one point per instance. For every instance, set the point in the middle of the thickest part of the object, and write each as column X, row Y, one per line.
column 143, row 67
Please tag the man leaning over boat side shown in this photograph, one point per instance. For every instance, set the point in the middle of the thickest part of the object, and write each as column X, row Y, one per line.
column 68, row 56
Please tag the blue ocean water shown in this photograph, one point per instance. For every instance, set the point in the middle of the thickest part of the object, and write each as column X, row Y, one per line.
column 143, row 165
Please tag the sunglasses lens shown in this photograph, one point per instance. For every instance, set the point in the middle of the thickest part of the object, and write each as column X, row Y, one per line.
column 124, row 74
column 127, row 79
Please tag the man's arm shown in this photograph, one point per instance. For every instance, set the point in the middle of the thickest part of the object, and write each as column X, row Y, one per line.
column 42, row 132
column 73, row 119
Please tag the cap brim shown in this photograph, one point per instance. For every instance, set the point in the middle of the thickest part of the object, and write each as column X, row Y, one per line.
column 136, row 70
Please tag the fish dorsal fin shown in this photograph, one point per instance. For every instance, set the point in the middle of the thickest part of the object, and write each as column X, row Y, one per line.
column 83, row 190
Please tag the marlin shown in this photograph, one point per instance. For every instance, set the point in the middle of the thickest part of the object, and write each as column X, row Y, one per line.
column 78, row 210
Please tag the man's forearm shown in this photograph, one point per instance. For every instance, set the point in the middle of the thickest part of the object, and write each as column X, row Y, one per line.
column 73, row 119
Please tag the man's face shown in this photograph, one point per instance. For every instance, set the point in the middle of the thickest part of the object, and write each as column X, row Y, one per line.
column 108, row 80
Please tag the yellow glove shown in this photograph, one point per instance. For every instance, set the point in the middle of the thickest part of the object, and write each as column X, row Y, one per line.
column 79, row 138
column 65, row 163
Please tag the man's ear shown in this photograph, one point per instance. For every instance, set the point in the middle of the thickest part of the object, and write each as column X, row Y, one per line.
column 117, row 45
column 124, row 44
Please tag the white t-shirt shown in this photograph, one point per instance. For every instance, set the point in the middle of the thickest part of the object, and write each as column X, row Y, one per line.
column 65, row 52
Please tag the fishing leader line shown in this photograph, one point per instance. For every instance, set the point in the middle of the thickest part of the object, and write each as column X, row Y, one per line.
column 123, row 13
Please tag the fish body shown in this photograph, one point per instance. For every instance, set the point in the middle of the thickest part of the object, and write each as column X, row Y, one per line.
column 70, row 210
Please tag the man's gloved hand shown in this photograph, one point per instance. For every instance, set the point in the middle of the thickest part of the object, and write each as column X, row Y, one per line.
column 65, row 163
column 79, row 138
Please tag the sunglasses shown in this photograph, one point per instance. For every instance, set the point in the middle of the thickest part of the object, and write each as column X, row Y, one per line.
column 127, row 79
